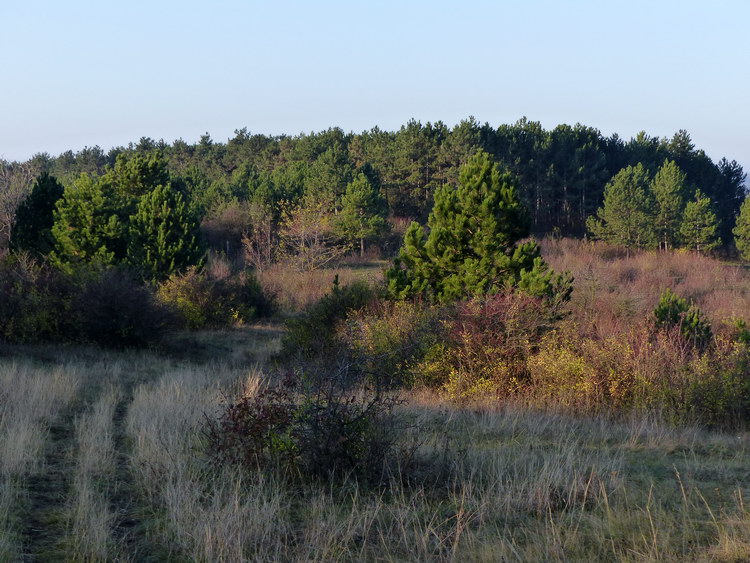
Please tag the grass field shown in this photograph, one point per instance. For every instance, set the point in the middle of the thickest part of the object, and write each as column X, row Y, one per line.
column 104, row 456
column 102, row 459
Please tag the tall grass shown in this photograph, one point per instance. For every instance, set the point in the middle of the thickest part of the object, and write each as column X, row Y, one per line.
column 296, row 290
column 90, row 515
column 30, row 399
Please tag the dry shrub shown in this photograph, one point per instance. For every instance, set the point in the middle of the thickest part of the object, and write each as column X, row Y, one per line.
column 313, row 334
column 642, row 370
column 611, row 287
column 322, row 427
column 486, row 344
column 35, row 301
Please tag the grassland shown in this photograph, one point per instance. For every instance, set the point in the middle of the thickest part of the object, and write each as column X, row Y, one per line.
column 103, row 458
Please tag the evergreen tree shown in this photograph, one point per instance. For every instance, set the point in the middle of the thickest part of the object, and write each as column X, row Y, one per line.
column 164, row 235
column 742, row 230
column 699, row 228
column 471, row 246
column 626, row 217
column 139, row 174
column 32, row 231
column 87, row 225
column 669, row 190
column 327, row 177
column 363, row 211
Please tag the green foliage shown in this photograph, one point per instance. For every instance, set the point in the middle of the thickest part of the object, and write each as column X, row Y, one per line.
column 327, row 177
column 626, row 217
column 87, row 227
column 699, row 228
column 742, row 230
column 135, row 176
column 32, row 231
column 164, row 235
column 363, row 212
column 674, row 311
column 669, row 188
column 390, row 340
column 313, row 333
column 202, row 301
column 471, row 248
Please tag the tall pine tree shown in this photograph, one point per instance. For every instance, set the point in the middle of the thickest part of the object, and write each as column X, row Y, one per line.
column 87, row 227
column 363, row 212
column 471, row 247
column 626, row 218
column 699, row 228
column 32, row 231
column 669, row 190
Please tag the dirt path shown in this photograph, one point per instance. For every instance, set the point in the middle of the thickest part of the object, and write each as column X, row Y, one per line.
column 50, row 491
column 48, row 488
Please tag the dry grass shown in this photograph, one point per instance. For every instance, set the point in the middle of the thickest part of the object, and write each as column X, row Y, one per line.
column 296, row 290
column 520, row 486
column 90, row 515
column 499, row 484
column 614, row 288
column 495, row 483
column 30, row 398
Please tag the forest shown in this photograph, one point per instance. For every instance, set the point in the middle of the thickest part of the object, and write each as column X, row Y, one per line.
column 432, row 344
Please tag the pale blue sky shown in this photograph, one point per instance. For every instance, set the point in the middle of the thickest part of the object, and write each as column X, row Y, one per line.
column 80, row 72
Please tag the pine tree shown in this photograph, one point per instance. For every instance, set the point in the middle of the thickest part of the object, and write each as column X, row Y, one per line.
column 363, row 212
column 471, row 248
column 742, row 230
column 626, row 217
column 32, row 231
column 87, row 226
column 699, row 228
column 669, row 190
column 139, row 174
column 164, row 235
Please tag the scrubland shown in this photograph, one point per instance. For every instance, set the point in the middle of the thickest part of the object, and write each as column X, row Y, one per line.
column 104, row 455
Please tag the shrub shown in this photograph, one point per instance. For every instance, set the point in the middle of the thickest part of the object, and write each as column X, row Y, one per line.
column 674, row 311
column 203, row 301
column 390, row 339
column 487, row 343
column 112, row 309
column 313, row 333
column 309, row 430
column 35, row 301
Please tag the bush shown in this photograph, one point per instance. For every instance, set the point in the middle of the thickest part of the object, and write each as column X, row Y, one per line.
column 390, row 339
column 324, row 431
column 112, row 309
column 35, row 301
column 313, row 333
column 487, row 343
column 41, row 304
column 674, row 311
column 203, row 301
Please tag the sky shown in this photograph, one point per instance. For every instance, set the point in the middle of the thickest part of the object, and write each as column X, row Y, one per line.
column 83, row 73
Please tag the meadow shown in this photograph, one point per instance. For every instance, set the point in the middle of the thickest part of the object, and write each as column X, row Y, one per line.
column 104, row 455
